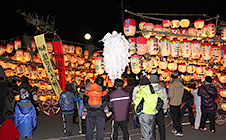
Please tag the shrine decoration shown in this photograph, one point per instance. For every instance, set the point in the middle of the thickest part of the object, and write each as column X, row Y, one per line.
column 186, row 48
column 206, row 50
column 2, row 49
column 99, row 65
column 17, row 44
column 9, row 48
column 211, row 30
column 199, row 23
column 132, row 45
column 215, row 53
column 27, row 56
column 175, row 47
column 141, row 25
column 223, row 92
column 223, row 52
column 135, row 64
column 223, row 33
column 129, row 27
column 71, row 49
column 175, row 23
column 148, row 27
column 166, row 23
column 78, row 50
column 86, row 54
column 159, row 28
column 141, row 45
column 195, row 49
column 152, row 46
column 164, row 46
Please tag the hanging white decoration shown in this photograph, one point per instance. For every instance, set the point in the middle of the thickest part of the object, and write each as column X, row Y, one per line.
column 116, row 54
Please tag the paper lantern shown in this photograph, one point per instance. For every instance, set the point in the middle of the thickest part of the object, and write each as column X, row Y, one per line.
column 49, row 46
column 17, row 44
column 99, row 65
column 175, row 48
column 166, row 23
column 17, row 97
column 163, row 64
column 223, row 33
column 65, row 48
column 141, row 45
column 78, row 50
column 206, row 50
column 223, row 92
column 152, row 46
column 223, row 52
column 195, row 49
column 2, row 49
column 132, row 45
column 211, row 30
column 95, row 54
column 86, row 54
column 33, row 46
column 175, row 23
column 148, row 27
column 209, row 72
column 71, row 49
column 164, row 46
column 27, row 56
column 215, row 54
column 141, row 25
column 186, row 48
column 192, row 32
column 222, row 78
column 204, row 31
column 135, row 64
column 159, row 28
column 19, row 55
column 34, row 73
column 9, row 48
column 199, row 23
column 129, row 27
column 182, row 67
column 184, row 23
column 81, row 60
column 223, row 106
column 27, row 70
column 172, row 66
column 200, row 69
column 191, row 69
column 37, row 59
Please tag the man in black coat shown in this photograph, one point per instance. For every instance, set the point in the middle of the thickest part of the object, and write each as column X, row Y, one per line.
column 3, row 94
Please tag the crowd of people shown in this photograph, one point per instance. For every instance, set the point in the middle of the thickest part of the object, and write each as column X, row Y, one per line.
column 151, row 100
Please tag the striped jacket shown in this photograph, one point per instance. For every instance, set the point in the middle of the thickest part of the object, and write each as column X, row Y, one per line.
column 119, row 103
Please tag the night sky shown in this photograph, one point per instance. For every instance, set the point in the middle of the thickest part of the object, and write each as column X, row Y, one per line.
column 75, row 18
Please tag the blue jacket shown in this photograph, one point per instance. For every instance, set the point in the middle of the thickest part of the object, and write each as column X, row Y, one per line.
column 67, row 102
column 25, row 117
column 80, row 104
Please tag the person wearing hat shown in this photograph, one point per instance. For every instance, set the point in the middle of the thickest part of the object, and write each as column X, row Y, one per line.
column 176, row 91
column 147, row 104
column 160, row 116
column 208, row 93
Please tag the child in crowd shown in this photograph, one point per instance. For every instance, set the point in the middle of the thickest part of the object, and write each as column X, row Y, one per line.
column 8, row 131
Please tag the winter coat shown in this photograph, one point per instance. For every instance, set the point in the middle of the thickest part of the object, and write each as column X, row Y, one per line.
column 150, row 100
column 3, row 93
column 176, row 91
column 119, row 102
column 67, row 102
column 25, row 117
column 95, row 93
column 80, row 104
column 208, row 93
column 162, row 92
column 8, row 131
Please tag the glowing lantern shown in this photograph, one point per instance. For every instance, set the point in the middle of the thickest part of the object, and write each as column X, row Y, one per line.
column 172, row 66
column 184, row 23
column 175, row 48
column 141, row 45
column 164, row 46
column 65, row 48
column 175, row 23
column 2, row 49
column 211, row 30
column 223, row 92
column 17, row 97
column 163, row 64
column 81, row 60
column 49, row 87
column 129, row 27
column 159, row 28
column 78, row 50
column 186, row 48
column 209, row 72
column 145, row 64
column 78, row 80
column 27, row 56
column 195, row 49
column 95, row 54
column 86, row 54
column 49, row 46
column 223, row 50
column 223, row 106
column 8, row 72
column 199, row 23
column 215, row 54
column 204, row 31
column 132, row 46
column 19, row 55
column 9, row 48
column 99, row 65
column 27, row 70
column 141, row 25
column 223, row 33
column 37, row 59
column 222, row 78
column 200, row 69
column 192, row 32
column 17, row 44
column 33, row 46
column 34, row 73
column 148, row 27
column 166, row 23
column 182, row 68
column 206, row 51
column 191, row 69
column 135, row 64
column 71, row 49
column 152, row 46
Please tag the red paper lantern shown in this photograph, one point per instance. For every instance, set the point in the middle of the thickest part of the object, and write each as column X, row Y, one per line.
column 199, row 23
column 141, row 45
column 166, row 23
column 129, row 27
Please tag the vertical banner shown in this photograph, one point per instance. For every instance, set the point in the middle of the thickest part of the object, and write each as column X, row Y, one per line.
column 42, row 49
column 59, row 55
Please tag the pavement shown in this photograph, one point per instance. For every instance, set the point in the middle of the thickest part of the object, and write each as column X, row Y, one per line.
column 51, row 128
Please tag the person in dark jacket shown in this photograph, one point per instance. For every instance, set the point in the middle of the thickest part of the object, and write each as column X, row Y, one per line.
column 67, row 106
column 3, row 94
column 25, row 115
column 119, row 103
column 208, row 93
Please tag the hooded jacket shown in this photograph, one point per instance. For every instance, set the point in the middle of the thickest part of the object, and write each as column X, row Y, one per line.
column 95, row 93
column 208, row 93
column 176, row 91
column 67, row 102
column 25, row 117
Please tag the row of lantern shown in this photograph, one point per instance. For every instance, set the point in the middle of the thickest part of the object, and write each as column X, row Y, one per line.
column 175, row 48
column 199, row 29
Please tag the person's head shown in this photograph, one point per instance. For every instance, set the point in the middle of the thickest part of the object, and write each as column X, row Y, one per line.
column 68, row 87
column 24, row 94
column 9, row 115
column 88, row 81
column 154, row 79
column 175, row 74
column 119, row 83
column 144, row 81
column 193, row 86
column 99, row 80
column 208, row 79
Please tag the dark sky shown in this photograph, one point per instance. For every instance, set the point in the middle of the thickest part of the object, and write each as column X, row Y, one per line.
column 74, row 18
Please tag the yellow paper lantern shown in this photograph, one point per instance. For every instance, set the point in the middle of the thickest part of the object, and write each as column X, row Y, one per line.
column 141, row 25
column 71, row 49
column 199, row 23
column 9, row 48
column 184, row 23
column 175, row 23
column 223, row 92
column 148, row 27
column 86, row 54
column 2, row 49
column 195, row 49
column 211, row 30
column 222, row 78
column 17, row 44
column 223, row 106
